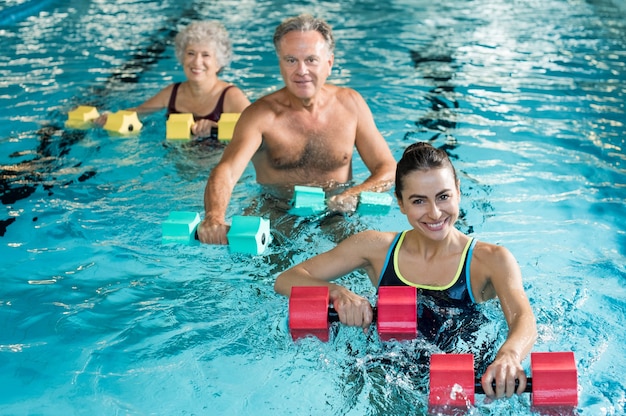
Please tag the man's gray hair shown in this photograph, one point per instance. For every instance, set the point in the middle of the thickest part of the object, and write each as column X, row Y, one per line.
column 305, row 23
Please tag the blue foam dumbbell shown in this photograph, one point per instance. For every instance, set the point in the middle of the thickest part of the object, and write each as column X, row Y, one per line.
column 247, row 234
column 374, row 203
column 309, row 200
column 180, row 227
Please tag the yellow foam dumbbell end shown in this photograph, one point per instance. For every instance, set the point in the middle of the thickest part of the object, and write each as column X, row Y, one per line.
column 178, row 126
column 123, row 122
column 226, row 126
column 81, row 117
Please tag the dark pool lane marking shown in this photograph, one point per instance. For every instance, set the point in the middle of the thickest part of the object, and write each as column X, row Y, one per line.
column 19, row 181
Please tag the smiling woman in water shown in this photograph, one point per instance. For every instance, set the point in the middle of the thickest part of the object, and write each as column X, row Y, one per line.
column 452, row 271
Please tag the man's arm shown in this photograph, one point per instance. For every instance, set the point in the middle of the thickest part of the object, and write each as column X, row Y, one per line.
column 374, row 152
column 247, row 138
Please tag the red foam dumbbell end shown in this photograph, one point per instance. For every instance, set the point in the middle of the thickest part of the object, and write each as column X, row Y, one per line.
column 308, row 312
column 451, row 381
column 555, row 379
column 397, row 313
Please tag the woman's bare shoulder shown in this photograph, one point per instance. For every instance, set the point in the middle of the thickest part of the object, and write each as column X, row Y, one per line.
column 491, row 253
column 372, row 239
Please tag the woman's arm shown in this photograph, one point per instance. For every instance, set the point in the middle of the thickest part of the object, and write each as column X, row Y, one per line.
column 152, row 104
column 155, row 103
column 235, row 100
column 321, row 270
column 505, row 276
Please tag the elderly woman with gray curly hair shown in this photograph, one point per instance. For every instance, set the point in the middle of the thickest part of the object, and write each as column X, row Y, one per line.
column 203, row 48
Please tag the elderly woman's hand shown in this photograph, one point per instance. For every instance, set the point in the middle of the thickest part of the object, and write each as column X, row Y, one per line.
column 202, row 128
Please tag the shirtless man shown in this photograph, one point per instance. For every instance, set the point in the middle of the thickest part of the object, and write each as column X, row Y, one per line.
column 304, row 133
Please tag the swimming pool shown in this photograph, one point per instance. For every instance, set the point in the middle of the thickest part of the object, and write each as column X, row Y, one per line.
column 97, row 317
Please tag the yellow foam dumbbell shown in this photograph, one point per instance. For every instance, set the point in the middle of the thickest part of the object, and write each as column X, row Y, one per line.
column 123, row 122
column 178, row 126
column 81, row 117
column 226, row 126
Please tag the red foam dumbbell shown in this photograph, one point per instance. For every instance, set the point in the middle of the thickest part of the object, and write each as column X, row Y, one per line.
column 554, row 383
column 310, row 313
column 397, row 313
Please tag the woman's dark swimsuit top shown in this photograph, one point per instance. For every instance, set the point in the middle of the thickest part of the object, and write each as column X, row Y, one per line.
column 458, row 293
column 213, row 115
column 444, row 313
column 447, row 316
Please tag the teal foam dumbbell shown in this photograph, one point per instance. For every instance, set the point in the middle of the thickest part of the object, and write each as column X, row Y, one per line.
column 374, row 203
column 310, row 200
column 180, row 227
column 247, row 234
column 307, row 200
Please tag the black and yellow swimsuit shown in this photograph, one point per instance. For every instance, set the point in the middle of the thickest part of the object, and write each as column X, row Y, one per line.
column 442, row 310
column 458, row 293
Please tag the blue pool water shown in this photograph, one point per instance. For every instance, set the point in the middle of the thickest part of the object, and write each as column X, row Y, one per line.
column 97, row 317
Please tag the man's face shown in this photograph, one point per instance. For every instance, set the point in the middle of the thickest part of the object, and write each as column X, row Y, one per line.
column 305, row 62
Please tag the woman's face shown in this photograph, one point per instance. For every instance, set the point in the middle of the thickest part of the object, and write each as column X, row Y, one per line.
column 200, row 62
column 430, row 200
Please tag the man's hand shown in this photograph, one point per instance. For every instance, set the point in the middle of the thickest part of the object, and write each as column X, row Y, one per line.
column 211, row 232
column 343, row 202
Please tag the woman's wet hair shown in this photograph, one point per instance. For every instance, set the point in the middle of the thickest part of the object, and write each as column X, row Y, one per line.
column 207, row 32
column 421, row 156
column 305, row 23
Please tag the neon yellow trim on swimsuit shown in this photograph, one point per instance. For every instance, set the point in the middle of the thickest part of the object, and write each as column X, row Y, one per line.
column 396, row 267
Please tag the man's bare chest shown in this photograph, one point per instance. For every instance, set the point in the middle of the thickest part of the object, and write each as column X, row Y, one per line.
column 310, row 151
column 322, row 144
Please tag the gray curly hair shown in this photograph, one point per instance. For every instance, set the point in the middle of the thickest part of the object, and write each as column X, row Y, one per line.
column 208, row 32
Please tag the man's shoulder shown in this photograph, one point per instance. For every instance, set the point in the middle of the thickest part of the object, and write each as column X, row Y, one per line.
column 270, row 102
column 348, row 97
column 264, row 107
column 340, row 90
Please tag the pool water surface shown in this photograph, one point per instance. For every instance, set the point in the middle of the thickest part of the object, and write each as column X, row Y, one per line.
column 97, row 317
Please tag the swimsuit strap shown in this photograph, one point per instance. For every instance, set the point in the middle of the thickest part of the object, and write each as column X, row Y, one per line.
column 219, row 107
column 171, row 106
column 389, row 255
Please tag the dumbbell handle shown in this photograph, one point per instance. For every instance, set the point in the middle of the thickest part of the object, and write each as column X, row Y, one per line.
column 333, row 315
column 478, row 387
